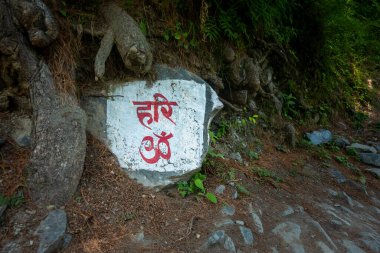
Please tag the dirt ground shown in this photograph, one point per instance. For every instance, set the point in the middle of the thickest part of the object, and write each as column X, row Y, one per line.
column 109, row 211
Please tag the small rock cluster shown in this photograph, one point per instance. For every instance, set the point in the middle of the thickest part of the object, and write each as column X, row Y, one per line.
column 368, row 154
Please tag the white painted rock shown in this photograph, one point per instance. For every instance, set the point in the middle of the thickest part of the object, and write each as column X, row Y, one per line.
column 159, row 131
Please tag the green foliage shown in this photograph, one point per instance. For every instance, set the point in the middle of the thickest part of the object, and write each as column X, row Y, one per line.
column 239, row 20
column 305, row 144
column 289, row 106
column 143, row 27
column 265, row 174
column 323, row 153
column 211, row 29
column 127, row 4
column 358, row 119
column 343, row 160
column 253, row 155
column 352, row 152
column 241, row 189
column 195, row 185
column 345, row 52
column 13, row 201
column 184, row 38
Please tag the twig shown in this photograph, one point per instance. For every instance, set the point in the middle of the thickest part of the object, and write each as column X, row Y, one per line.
column 189, row 228
column 230, row 105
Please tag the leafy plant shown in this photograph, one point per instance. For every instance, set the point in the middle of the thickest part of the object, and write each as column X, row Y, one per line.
column 241, row 189
column 253, row 155
column 266, row 174
column 143, row 27
column 323, row 154
column 195, row 185
column 213, row 154
column 289, row 106
column 13, row 201
column 293, row 172
column 183, row 38
column 343, row 160
column 211, row 29
column 352, row 152
column 358, row 119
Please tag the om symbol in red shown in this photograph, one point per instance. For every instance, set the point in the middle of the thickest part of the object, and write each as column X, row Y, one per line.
column 144, row 110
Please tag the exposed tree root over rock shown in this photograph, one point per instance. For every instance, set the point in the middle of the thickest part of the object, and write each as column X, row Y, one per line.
column 59, row 124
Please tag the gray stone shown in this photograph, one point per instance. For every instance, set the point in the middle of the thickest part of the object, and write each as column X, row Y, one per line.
column 290, row 232
column 356, row 185
column 371, row 240
column 288, row 211
column 252, row 105
column 277, row 104
column 256, row 219
column 360, row 148
column 341, row 141
column 299, row 209
column 239, row 222
column 145, row 125
column 274, row 250
column 332, row 193
column 348, row 199
column 337, row 175
column 319, row 137
column 374, row 171
column 291, row 134
column 220, row 238
column 66, row 240
column 236, row 156
column 324, row 247
column 4, row 102
column 323, row 232
column 216, row 237
column 220, row 189
column 240, row 97
column 247, row 235
column 52, row 231
column 224, row 222
column 375, row 200
column 12, row 247
column 229, row 244
column 351, row 247
column 228, row 210
column 234, row 194
column 371, row 159
column 333, row 212
column 2, row 210
column 22, row 131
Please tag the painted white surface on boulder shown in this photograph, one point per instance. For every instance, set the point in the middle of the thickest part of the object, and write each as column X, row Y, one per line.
column 178, row 136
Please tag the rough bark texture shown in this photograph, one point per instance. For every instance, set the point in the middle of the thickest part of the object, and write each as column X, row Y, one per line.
column 59, row 139
column 130, row 42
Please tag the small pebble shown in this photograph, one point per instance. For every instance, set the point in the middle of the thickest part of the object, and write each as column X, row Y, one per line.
column 239, row 222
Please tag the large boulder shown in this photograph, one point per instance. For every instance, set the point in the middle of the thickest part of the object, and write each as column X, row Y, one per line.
column 158, row 131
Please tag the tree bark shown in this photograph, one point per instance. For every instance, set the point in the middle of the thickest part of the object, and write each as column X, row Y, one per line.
column 59, row 139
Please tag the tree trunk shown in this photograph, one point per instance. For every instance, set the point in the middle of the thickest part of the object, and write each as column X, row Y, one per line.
column 59, row 139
